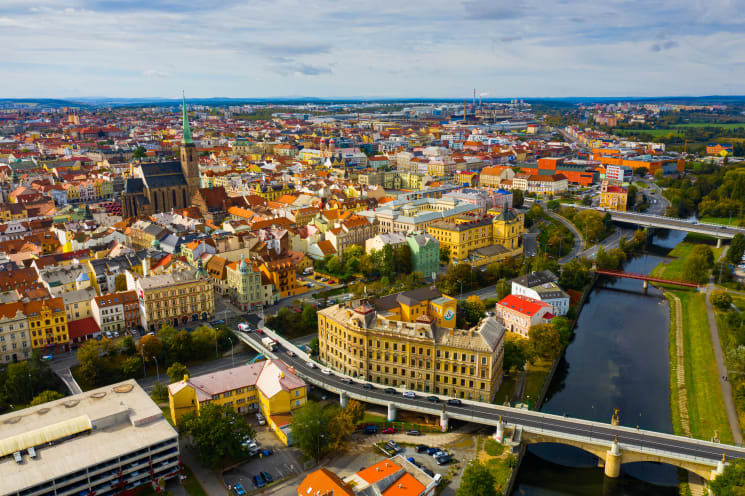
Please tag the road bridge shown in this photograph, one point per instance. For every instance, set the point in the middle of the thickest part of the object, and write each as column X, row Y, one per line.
column 660, row 221
column 613, row 444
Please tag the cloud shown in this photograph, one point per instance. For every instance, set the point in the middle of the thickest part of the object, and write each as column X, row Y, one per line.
column 276, row 50
column 292, row 68
column 493, row 9
column 664, row 45
column 152, row 73
column 510, row 38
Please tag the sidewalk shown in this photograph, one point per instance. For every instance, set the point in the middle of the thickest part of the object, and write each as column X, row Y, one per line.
column 209, row 480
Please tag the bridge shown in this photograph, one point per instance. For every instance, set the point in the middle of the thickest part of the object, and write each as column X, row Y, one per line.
column 612, row 443
column 642, row 277
column 663, row 222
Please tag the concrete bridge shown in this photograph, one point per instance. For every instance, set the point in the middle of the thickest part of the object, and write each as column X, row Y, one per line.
column 612, row 443
column 649, row 220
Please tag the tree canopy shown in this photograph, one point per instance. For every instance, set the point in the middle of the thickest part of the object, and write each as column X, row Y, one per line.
column 217, row 432
column 477, row 480
column 732, row 481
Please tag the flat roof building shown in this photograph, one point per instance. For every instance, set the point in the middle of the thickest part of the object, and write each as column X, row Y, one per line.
column 105, row 441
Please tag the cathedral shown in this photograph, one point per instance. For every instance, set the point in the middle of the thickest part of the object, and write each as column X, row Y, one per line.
column 161, row 186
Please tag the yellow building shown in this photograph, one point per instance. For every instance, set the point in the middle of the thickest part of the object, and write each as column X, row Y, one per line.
column 410, row 340
column 269, row 386
column 613, row 197
column 467, row 234
column 47, row 322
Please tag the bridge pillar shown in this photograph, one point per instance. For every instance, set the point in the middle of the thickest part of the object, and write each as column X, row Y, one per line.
column 444, row 421
column 613, row 461
column 343, row 398
column 720, row 468
column 391, row 412
column 499, row 435
column 719, row 242
column 645, row 286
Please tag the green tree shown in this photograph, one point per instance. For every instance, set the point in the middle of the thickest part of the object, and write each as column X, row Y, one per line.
column 314, row 347
column 180, row 346
column 736, row 248
column 736, row 358
column 517, row 198
column 131, row 367
column 721, row 299
column 177, row 371
column 444, row 255
column 159, row 393
column 574, row 275
column 96, row 367
column 705, row 253
column 477, row 480
column 544, row 341
column 139, row 152
column 732, row 481
column 335, row 266
column 402, row 258
column 388, row 261
column 309, row 319
column 310, row 429
column 564, row 328
column 516, row 352
column 473, row 309
column 217, row 433
column 120, row 283
column 128, row 346
column 46, row 396
column 696, row 268
column 503, row 288
column 149, row 346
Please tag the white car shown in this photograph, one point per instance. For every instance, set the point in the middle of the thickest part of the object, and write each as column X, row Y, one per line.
column 310, row 364
column 244, row 327
column 260, row 419
column 326, row 371
column 409, row 394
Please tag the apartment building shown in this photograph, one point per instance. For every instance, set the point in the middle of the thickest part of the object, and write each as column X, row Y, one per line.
column 15, row 336
column 47, row 322
column 108, row 441
column 410, row 340
column 542, row 286
column 354, row 231
column 244, row 284
column 174, row 298
column 270, row 386
column 613, row 197
column 519, row 313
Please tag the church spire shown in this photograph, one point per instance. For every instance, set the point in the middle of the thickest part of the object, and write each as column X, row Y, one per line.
column 186, row 138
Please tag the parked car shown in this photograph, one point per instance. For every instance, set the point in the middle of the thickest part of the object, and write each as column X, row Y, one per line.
column 421, row 448
column 389, row 430
column 371, row 429
column 432, row 451
column 454, row 402
column 393, row 445
column 444, row 459
column 267, row 477
column 267, row 452
column 409, row 394
column 258, row 481
column 260, row 418
column 244, row 327
column 238, row 490
column 413, row 432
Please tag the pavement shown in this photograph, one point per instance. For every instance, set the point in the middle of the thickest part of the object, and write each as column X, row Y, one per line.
column 726, row 385
column 579, row 240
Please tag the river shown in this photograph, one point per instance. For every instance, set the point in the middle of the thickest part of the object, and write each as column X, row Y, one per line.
column 617, row 359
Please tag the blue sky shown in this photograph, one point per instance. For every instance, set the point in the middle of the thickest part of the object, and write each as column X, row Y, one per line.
column 335, row 48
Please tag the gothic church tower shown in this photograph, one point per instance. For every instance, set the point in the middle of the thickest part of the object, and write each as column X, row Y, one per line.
column 189, row 160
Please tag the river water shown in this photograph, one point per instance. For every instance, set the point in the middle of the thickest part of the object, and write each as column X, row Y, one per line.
column 617, row 359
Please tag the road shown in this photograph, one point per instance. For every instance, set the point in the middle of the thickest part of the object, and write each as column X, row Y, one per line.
column 489, row 414
column 579, row 240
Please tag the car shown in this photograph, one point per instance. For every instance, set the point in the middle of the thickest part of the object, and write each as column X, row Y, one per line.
column 290, row 353
column 218, row 322
column 347, row 380
column 455, row 402
column 326, row 371
column 394, row 446
column 266, row 476
column 370, row 429
column 437, row 478
column 259, row 331
column 438, row 453
column 444, row 459
column 389, row 430
column 367, row 385
column 310, row 365
column 238, row 490
column 244, row 327
column 258, row 481
column 432, row 451
column 429, row 472
column 421, row 448
column 109, row 335
column 260, row 419
column 409, row 394
column 433, row 399
column 389, row 391
column 267, row 452
column 116, row 334
column 413, row 432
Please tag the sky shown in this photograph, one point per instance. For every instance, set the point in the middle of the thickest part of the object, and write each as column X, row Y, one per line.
column 372, row 49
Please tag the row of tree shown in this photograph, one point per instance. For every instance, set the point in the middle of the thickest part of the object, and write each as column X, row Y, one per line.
column 386, row 262
column 29, row 382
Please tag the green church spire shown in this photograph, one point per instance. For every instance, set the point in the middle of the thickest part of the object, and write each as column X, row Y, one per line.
column 186, row 138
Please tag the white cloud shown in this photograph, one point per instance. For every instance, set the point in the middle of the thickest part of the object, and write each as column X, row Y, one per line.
column 155, row 74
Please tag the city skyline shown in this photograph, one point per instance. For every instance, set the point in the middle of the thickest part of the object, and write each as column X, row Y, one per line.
column 334, row 50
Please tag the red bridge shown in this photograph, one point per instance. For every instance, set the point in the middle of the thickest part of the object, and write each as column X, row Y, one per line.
column 642, row 277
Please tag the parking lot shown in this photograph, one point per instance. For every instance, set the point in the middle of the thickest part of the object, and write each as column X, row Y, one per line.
column 281, row 463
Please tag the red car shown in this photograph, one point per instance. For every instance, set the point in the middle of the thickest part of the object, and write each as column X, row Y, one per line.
column 388, row 430
column 259, row 331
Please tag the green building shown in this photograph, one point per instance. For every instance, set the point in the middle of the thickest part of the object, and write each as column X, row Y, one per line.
column 425, row 253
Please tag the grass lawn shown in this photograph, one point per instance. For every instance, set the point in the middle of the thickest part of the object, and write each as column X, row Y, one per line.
column 674, row 269
column 640, row 184
column 705, row 402
column 725, row 221
column 727, row 125
column 534, row 380
column 728, row 339
column 191, row 484
column 505, row 389
column 373, row 418
column 498, row 460
column 653, row 132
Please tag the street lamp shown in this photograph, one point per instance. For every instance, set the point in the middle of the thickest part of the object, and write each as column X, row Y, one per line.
column 157, row 370
column 231, row 351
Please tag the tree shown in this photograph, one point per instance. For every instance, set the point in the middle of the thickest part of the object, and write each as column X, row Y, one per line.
column 177, row 371
column 309, row 319
column 696, row 268
column 473, row 309
column 341, row 425
column 159, row 393
column 180, row 346
column 736, row 248
column 334, row 266
column 402, row 257
column 517, row 198
column 736, row 358
column 314, row 347
column 149, row 346
column 477, row 480
column 46, row 396
column 387, row 262
column 503, row 288
column 217, row 432
column 731, row 482
column 120, row 283
column 356, row 410
column 128, row 346
column 545, row 341
column 564, row 328
column 444, row 255
column 721, row 299
column 131, row 367
column 139, row 152
column 516, row 352
column 574, row 275
column 310, row 429
column 705, row 253
column 95, row 367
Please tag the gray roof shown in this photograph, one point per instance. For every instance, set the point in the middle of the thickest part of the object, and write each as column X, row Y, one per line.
column 163, row 174
column 535, row 278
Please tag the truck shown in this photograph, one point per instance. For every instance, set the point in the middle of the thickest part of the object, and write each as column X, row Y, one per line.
column 269, row 343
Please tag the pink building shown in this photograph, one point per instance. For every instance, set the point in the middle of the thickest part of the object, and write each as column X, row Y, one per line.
column 519, row 313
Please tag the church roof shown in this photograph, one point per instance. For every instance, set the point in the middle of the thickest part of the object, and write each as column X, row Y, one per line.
column 163, row 174
column 134, row 185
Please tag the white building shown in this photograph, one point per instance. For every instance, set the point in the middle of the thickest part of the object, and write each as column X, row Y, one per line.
column 542, row 286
